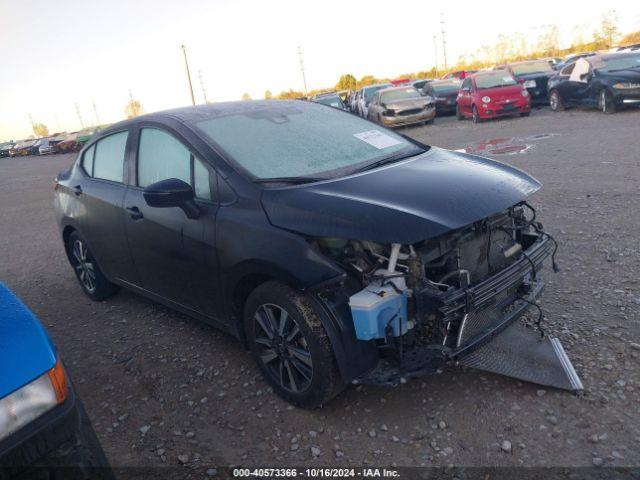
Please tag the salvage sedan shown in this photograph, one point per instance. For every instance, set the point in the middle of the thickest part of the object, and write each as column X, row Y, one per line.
column 401, row 106
column 607, row 81
column 338, row 251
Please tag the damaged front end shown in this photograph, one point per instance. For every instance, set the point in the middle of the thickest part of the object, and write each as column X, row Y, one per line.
column 455, row 297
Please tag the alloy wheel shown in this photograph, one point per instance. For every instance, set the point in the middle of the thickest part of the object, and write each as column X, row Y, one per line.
column 282, row 348
column 602, row 100
column 85, row 269
column 553, row 100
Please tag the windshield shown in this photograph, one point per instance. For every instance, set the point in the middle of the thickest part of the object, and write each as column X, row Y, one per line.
column 369, row 92
column 499, row 78
column 304, row 140
column 445, row 87
column 531, row 67
column 623, row 62
column 331, row 101
column 399, row 94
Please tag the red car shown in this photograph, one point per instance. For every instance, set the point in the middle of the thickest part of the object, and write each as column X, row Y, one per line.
column 68, row 144
column 492, row 94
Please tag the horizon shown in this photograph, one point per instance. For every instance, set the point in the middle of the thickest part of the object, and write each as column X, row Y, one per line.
column 57, row 56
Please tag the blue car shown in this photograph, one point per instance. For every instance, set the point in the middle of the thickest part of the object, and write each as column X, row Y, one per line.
column 44, row 430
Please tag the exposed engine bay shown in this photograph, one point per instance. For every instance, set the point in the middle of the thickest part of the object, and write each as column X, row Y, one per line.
column 444, row 297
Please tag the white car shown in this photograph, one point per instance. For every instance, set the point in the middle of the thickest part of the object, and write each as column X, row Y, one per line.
column 366, row 96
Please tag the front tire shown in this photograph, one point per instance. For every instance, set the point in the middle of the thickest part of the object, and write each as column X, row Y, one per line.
column 605, row 102
column 475, row 115
column 290, row 345
column 555, row 101
column 93, row 282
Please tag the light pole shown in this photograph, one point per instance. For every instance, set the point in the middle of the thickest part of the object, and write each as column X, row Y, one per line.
column 204, row 92
column 186, row 64
column 304, row 79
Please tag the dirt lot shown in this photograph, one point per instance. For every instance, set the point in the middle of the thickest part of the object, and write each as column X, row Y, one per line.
column 165, row 390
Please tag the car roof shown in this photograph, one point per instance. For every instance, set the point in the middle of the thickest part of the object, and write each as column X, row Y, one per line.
column 193, row 114
column 488, row 72
column 607, row 56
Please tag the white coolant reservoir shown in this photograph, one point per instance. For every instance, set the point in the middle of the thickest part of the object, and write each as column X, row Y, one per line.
column 375, row 308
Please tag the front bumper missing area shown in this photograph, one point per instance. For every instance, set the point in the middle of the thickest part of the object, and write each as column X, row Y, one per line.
column 491, row 337
column 521, row 353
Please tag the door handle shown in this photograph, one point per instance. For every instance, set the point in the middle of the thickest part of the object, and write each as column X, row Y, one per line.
column 135, row 213
column 77, row 190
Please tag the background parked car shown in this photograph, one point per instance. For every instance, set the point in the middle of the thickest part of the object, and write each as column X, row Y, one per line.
column 330, row 98
column 459, row 74
column 85, row 134
column 607, row 81
column 401, row 106
column 492, row 94
column 44, row 429
column 67, row 144
column 534, row 75
column 419, row 84
column 22, row 149
column 5, row 147
column 366, row 96
column 445, row 93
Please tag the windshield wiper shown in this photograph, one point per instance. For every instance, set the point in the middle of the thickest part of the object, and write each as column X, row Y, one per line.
column 390, row 159
column 291, row 180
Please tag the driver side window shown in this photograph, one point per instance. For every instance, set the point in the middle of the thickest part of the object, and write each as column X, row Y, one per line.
column 466, row 85
column 162, row 156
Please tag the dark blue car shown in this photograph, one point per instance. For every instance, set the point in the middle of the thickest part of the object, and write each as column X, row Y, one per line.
column 44, row 431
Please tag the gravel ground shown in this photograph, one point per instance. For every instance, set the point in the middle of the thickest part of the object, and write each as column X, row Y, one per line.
column 165, row 390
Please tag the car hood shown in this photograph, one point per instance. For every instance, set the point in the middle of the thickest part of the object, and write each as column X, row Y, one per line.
column 630, row 75
column 407, row 104
column 26, row 352
column 404, row 202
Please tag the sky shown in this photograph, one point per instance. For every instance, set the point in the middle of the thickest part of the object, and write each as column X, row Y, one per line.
column 57, row 54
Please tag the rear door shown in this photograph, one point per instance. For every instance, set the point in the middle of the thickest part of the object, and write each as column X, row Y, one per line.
column 101, row 194
column 174, row 256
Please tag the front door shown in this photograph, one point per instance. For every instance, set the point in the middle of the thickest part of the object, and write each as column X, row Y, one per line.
column 173, row 254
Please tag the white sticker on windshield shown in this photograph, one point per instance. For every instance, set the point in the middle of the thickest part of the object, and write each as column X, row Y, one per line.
column 377, row 139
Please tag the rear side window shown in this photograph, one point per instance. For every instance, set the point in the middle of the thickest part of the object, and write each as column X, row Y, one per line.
column 162, row 156
column 87, row 160
column 108, row 158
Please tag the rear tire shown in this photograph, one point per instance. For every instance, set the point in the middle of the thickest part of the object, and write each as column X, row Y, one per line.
column 288, row 341
column 525, row 114
column 605, row 102
column 555, row 101
column 92, row 281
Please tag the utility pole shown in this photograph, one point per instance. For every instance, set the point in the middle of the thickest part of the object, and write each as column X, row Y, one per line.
column 186, row 64
column 79, row 116
column 444, row 40
column 95, row 110
column 204, row 92
column 435, row 54
column 304, row 79
column 31, row 121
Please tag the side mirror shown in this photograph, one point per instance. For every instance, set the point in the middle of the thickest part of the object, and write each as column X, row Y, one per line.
column 172, row 193
column 520, row 81
column 584, row 76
